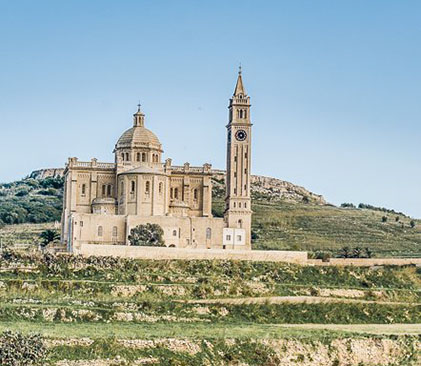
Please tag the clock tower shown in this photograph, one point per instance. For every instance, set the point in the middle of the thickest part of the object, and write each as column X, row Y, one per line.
column 238, row 201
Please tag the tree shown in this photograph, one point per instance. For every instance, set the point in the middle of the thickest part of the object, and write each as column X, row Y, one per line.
column 384, row 218
column 368, row 252
column 412, row 223
column 345, row 252
column 397, row 218
column 147, row 235
column 357, row 252
column 47, row 236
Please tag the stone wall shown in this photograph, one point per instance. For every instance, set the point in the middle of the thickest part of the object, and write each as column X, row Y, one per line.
column 296, row 257
column 126, row 251
column 366, row 262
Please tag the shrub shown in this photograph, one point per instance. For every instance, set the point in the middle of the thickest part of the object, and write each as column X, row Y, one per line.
column 324, row 256
column 368, row 253
column 345, row 252
column 384, row 218
column 412, row 223
column 17, row 349
column 347, row 205
column 47, row 236
column 22, row 192
column 147, row 235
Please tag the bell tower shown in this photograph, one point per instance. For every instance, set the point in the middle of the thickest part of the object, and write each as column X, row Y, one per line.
column 237, row 200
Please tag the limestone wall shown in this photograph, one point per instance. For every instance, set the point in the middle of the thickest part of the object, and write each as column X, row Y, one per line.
column 296, row 257
column 181, row 253
column 366, row 262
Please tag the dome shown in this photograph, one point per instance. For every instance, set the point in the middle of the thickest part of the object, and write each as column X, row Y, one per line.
column 138, row 136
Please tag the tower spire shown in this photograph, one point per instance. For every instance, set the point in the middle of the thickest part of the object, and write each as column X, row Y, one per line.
column 239, row 87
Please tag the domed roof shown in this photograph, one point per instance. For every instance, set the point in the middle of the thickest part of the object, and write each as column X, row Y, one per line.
column 138, row 136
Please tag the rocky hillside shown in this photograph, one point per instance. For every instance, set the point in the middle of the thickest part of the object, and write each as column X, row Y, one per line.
column 47, row 173
column 272, row 188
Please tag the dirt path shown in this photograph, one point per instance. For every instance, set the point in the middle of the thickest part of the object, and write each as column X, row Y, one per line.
column 293, row 300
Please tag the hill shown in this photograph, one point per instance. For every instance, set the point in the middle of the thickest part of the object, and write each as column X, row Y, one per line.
column 286, row 217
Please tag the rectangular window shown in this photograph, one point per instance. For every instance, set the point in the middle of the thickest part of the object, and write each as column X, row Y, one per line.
column 81, row 224
column 238, row 237
column 228, row 237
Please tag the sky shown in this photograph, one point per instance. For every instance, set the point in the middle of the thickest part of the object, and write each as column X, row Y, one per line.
column 335, row 87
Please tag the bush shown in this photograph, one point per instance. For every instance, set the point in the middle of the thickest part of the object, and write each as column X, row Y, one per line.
column 17, row 349
column 324, row 256
column 347, row 205
column 48, row 236
column 412, row 223
column 147, row 235
column 22, row 192
column 384, row 218
column 345, row 252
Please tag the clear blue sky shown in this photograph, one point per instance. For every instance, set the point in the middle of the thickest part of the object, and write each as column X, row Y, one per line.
column 335, row 87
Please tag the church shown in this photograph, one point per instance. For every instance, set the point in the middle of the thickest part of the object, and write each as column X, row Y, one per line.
column 104, row 201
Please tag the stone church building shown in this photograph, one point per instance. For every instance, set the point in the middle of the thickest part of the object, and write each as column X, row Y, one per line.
column 104, row 201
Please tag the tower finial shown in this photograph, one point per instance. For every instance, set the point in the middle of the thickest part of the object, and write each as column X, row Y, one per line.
column 138, row 106
column 239, row 88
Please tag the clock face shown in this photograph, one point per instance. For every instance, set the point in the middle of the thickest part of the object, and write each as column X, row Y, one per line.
column 241, row 135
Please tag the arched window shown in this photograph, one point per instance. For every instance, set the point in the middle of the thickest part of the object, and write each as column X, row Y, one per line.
column 241, row 113
column 208, row 233
column 235, row 205
column 133, row 188
column 245, row 204
column 240, row 224
column 109, row 190
column 147, row 187
column 174, row 233
column 83, row 189
column 143, row 157
column 161, row 185
column 137, row 156
column 122, row 156
column 195, row 195
column 99, row 230
column 103, row 190
column 172, row 193
column 127, row 157
column 245, row 113
column 115, row 231
column 176, row 193
column 239, row 204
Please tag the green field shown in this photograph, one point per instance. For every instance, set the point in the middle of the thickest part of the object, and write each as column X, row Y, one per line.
column 97, row 308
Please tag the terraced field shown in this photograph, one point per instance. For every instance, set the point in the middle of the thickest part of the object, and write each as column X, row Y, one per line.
column 104, row 311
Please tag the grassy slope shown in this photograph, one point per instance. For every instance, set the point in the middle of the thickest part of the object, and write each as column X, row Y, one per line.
column 71, row 297
column 298, row 226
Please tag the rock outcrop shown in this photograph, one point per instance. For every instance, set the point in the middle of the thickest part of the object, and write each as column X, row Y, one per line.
column 46, row 173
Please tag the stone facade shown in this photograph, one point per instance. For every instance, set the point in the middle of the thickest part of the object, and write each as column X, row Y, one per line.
column 104, row 201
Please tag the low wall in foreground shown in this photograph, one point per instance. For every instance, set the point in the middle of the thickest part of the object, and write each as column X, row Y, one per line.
column 126, row 251
column 366, row 262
